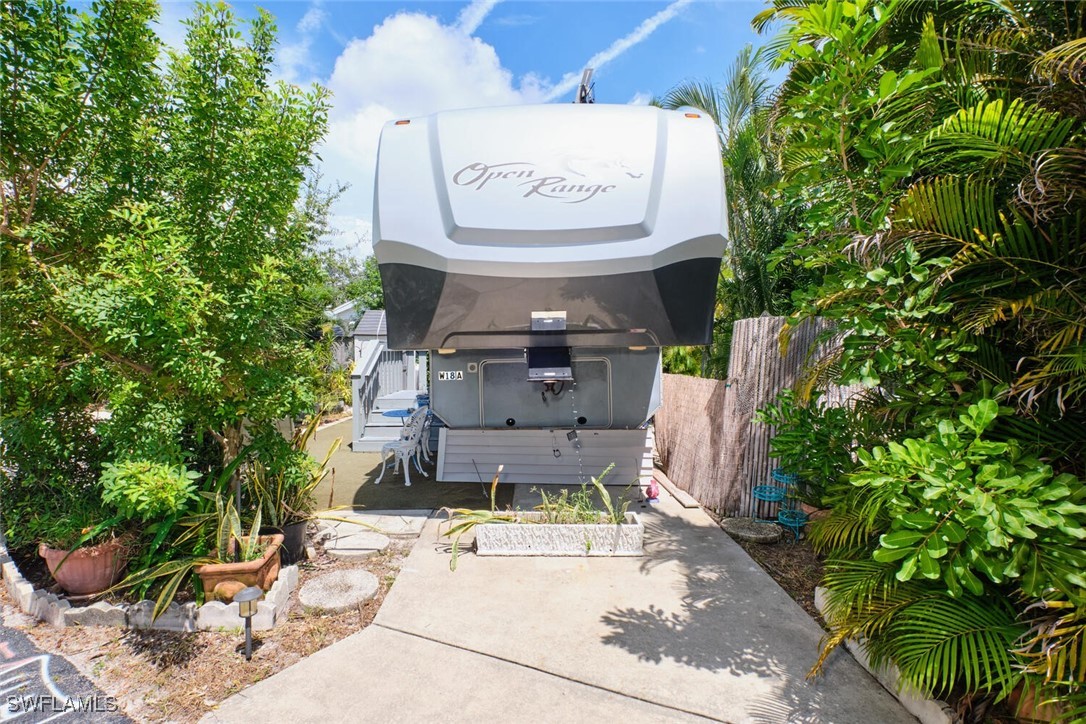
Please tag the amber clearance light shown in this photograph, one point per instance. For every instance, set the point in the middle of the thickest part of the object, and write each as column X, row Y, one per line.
column 402, row 123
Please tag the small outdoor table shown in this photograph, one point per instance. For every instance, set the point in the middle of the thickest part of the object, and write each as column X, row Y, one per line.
column 402, row 414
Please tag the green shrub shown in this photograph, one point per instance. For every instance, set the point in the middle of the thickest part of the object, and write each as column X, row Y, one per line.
column 939, row 550
column 145, row 490
column 961, row 507
column 812, row 440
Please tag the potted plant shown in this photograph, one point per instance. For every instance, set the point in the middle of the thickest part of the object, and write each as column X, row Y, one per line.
column 562, row 525
column 86, row 548
column 282, row 477
column 222, row 553
column 83, row 552
column 239, row 560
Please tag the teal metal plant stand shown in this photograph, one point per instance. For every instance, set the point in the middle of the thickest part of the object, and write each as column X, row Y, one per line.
column 782, row 493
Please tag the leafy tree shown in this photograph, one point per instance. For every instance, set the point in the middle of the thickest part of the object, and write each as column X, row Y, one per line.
column 154, row 260
column 368, row 290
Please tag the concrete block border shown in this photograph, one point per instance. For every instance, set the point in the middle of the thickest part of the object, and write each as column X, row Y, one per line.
column 213, row 616
column 928, row 711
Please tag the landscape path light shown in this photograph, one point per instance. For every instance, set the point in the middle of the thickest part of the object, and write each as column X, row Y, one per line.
column 247, row 600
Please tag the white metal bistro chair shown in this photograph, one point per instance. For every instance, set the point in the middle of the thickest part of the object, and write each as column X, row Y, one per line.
column 407, row 449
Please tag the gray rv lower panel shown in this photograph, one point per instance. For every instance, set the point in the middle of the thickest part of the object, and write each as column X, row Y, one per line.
column 671, row 305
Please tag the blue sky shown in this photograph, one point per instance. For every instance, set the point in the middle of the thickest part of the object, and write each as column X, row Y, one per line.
column 386, row 60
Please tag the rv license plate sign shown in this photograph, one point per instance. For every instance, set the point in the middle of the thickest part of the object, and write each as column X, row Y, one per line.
column 451, row 376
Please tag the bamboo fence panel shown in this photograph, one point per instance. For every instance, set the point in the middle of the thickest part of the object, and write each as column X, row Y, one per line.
column 692, row 441
column 707, row 437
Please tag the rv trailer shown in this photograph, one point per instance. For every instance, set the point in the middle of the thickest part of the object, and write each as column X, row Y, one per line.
column 544, row 255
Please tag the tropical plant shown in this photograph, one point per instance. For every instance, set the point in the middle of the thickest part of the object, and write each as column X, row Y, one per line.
column 580, row 505
column 932, row 155
column 813, row 441
column 937, row 641
column 217, row 536
column 936, row 528
column 281, row 477
column 147, row 491
column 463, row 520
column 155, row 265
column 577, row 508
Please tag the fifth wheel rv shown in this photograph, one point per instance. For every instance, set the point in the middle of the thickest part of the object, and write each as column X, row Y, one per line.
column 544, row 255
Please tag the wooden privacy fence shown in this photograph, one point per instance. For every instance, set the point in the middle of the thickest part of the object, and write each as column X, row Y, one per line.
column 706, row 435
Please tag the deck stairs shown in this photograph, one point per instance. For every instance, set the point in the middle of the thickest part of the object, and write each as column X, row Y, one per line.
column 381, row 429
column 383, row 380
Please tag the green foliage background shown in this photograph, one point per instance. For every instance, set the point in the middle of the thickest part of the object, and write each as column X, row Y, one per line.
column 930, row 154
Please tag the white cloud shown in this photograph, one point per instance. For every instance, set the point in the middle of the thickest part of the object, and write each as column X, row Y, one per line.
column 516, row 20
column 639, row 99
column 313, row 19
column 354, row 234
column 413, row 65
column 295, row 60
column 570, row 81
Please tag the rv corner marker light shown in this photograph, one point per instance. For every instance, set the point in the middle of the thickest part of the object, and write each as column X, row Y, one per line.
column 689, row 115
column 641, row 348
column 405, row 122
column 447, row 350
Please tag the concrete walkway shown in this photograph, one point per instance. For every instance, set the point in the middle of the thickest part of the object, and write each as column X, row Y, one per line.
column 695, row 630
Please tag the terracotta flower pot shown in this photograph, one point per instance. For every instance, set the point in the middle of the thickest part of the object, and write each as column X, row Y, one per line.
column 87, row 570
column 812, row 512
column 222, row 580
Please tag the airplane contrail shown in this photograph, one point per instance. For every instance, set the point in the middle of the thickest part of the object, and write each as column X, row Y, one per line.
column 645, row 29
column 472, row 16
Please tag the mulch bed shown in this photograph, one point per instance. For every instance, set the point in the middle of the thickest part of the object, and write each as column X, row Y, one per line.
column 159, row 676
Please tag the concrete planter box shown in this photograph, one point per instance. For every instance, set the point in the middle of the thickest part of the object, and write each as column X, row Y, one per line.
column 560, row 539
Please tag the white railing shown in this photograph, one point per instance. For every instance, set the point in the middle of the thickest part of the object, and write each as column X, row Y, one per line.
column 365, row 383
column 379, row 371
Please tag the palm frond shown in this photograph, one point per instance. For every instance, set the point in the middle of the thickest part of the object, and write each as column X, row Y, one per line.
column 939, row 642
column 1054, row 646
column 702, row 95
column 845, row 528
column 947, row 209
column 996, row 133
column 1056, row 184
column 1066, row 61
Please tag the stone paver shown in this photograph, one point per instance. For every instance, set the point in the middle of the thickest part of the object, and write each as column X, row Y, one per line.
column 338, row 591
column 357, row 545
column 393, row 523
column 751, row 530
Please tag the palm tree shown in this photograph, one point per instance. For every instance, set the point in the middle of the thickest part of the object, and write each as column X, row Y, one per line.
column 758, row 226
